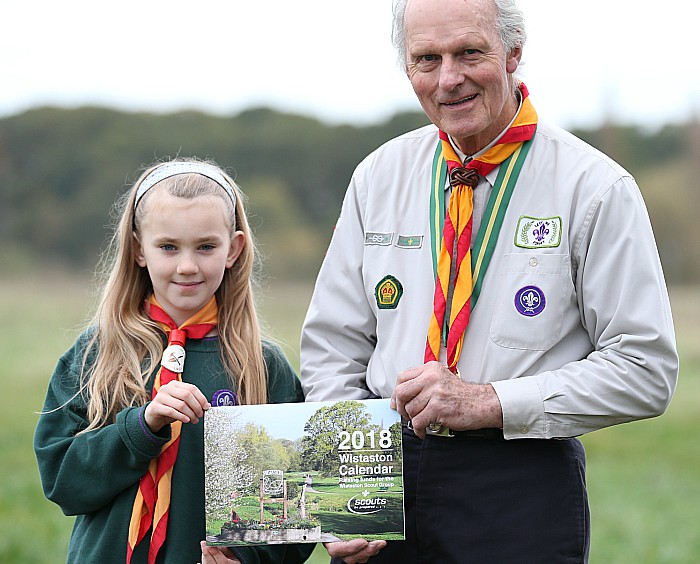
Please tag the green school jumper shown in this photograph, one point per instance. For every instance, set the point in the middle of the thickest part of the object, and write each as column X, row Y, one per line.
column 94, row 476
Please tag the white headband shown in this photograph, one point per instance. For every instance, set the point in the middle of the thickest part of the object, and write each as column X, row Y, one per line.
column 183, row 167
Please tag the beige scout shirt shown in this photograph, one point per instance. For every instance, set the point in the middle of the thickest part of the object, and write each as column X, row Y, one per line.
column 573, row 325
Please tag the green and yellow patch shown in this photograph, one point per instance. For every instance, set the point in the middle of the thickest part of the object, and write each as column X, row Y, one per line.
column 388, row 292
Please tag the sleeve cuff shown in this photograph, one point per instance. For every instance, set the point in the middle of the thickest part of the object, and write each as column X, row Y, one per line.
column 136, row 434
column 523, row 408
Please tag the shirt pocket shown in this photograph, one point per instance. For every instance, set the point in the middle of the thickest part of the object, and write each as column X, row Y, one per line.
column 534, row 294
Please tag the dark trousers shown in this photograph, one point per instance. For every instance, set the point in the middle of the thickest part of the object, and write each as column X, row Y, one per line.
column 473, row 501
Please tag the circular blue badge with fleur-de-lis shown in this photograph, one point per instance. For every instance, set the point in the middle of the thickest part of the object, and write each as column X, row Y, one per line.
column 224, row 398
column 530, row 301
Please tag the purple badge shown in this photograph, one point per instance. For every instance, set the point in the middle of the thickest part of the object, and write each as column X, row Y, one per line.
column 529, row 301
column 224, row 398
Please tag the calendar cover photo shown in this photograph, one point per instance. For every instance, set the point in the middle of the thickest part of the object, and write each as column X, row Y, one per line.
column 303, row 472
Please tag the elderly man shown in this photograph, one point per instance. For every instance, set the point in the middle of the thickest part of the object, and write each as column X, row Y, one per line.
column 499, row 280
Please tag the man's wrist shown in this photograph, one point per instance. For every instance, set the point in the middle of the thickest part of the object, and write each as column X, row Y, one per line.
column 493, row 411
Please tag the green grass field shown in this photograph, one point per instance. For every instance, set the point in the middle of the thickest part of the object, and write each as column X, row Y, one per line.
column 644, row 478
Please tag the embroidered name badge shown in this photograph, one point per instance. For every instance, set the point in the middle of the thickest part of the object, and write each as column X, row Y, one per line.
column 388, row 292
column 410, row 241
column 530, row 301
column 538, row 233
column 373, row 238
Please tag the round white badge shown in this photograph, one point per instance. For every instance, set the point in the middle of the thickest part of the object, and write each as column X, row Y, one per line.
column 174, row 358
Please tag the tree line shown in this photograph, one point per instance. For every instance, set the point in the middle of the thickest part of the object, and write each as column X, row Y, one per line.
column 62, row 169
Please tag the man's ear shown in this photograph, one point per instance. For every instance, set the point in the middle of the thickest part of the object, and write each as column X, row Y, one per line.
column 513, row 60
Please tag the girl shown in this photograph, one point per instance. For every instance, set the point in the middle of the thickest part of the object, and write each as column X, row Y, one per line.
column 119, row 442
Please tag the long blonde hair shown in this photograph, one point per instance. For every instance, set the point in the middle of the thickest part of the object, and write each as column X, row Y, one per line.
column 128, row 344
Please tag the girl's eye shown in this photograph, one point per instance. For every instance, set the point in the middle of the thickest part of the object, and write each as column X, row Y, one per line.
column 207, row 247
column 168, row 247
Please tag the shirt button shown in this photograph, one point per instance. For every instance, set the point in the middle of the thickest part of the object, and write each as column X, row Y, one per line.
column 524, row 429
column 533, row 261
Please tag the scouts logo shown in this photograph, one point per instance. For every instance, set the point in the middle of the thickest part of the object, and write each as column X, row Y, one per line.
column 538, row 233
column 388, row 292
column 366, row 504
column 529, row 301
column 224, row 398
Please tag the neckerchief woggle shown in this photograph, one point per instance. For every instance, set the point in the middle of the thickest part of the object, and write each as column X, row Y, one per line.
column 152, row 504
column 509, row 152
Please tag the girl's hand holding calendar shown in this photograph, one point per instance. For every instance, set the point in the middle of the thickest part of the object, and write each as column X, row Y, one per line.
column 175, row 401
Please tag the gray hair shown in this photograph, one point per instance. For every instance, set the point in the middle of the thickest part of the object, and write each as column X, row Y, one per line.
column 510, row 22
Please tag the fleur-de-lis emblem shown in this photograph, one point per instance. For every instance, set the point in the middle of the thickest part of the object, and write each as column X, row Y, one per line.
column 224, row 398
column 540, row 232
column 529, row 301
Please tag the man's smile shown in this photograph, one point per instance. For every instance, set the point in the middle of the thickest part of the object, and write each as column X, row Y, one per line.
column 460, row 101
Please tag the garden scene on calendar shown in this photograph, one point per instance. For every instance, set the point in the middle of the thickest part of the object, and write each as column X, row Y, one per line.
column 303, row 472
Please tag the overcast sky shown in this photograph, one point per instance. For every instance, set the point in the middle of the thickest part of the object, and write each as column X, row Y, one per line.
column 634, row 60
